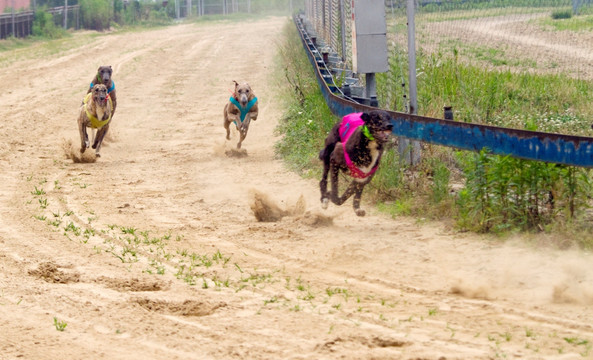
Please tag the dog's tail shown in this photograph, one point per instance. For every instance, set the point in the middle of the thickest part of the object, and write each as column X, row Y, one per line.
column 325, row 153
column 321, row 154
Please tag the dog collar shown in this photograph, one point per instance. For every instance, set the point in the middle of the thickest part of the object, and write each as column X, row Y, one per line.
column 244, row 110
column 367, row 133
column 111, row 88
column 95, row 123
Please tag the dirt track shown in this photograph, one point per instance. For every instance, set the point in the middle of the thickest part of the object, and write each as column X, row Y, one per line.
column 153, row 251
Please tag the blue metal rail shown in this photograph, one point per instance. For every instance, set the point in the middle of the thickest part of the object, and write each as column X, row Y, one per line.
column 531, row 145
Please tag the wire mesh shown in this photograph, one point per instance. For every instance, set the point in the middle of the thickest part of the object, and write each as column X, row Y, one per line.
column 467, row 39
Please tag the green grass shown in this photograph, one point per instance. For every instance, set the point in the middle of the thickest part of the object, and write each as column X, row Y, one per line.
column 308, row 119
column 13, row 43
column 582, row 23
column 562, row 14
column 479, row 94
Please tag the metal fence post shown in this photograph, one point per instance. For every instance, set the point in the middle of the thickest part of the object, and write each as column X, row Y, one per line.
column 13, row 20
column 410, row 151
column 65, row 14
column 343, row 29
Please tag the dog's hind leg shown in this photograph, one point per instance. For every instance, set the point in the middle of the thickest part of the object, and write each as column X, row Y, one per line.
column 227, row 122
column 84, row 138
column 355, row 188
column 335, row 198
column 228, row 131
column 323, row 183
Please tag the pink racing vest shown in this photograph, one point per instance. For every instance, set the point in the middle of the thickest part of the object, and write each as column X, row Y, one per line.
column 349, row 124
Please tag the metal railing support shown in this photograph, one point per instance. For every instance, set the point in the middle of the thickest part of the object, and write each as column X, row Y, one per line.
column 410, row 151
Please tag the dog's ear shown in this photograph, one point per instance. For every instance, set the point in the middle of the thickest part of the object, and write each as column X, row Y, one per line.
column 236, row 84
column 365, row 117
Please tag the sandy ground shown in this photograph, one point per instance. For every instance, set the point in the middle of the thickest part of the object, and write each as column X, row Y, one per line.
column 154, row 250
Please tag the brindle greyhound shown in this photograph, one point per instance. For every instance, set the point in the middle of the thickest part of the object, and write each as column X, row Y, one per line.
column 95, row 112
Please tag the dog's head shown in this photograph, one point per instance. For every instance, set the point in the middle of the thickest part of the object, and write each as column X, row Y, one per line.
column 243, row 93
column 379, row 124
column 104, row 74
column 100, row 93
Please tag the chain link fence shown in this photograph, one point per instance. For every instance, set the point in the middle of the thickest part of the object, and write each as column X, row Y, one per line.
column 332, row 20
column 20, row 24
column 547, row 37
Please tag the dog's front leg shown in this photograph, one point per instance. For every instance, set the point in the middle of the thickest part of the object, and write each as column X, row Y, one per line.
column 253, row 115
column 323, row 185
column 99, row 139
column 335, row 198
column 237, row 121
column 243, row 130
column 356, row 199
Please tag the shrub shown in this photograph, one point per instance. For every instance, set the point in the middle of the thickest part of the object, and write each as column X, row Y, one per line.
column 561, row 14
column 96, row 14
column 44, row 26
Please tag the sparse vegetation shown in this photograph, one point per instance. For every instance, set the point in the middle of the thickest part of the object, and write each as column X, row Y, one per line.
column 562, row 14
column 59, row 325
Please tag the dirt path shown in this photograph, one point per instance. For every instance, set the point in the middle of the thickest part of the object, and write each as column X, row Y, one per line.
column 154, row 252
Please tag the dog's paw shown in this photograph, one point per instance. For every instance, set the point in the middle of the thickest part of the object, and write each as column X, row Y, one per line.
column 360, row 212
column 324, row 203
column 98, row 155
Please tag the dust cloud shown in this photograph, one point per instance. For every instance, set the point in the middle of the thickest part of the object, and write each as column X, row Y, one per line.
column 73, row 153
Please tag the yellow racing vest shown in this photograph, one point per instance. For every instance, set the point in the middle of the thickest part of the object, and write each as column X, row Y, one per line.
column 96, row 123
